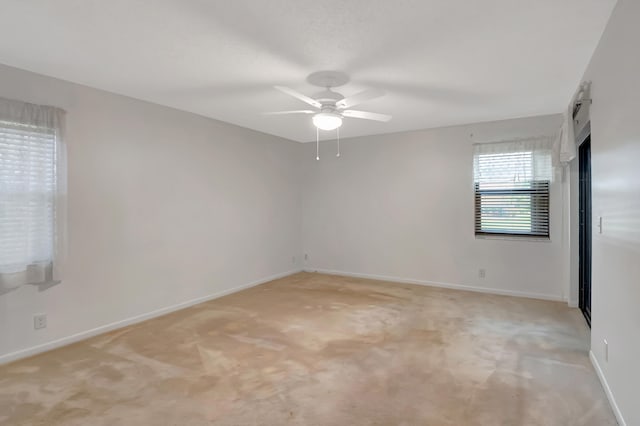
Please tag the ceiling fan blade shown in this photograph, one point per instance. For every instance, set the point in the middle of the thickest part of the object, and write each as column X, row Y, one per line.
column 350, row 113
column 359, row 98
column 300, row 96
column 301, row 111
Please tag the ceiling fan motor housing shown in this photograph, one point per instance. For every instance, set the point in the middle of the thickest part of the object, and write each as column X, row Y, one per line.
column 328, row 97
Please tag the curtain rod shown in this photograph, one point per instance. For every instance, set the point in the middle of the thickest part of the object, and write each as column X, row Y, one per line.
column 582, row 94
column 520, row 139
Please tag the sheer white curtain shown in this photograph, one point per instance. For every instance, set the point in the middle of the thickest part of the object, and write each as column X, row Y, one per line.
column 523, row 160
column 566, row 143
column 32, row 194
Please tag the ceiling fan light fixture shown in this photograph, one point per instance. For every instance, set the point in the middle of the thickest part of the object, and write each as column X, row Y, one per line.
column 327, row 121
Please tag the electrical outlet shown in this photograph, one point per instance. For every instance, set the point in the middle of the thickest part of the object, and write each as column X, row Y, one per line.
column 306, row 257
column 39, row 321
column 482, row 273
column 606, row 350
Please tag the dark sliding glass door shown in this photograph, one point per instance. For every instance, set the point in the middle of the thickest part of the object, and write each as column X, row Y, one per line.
column 585, row 228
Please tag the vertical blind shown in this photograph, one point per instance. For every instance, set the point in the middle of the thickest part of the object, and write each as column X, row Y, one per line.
column 30, row 209
column 511, row 183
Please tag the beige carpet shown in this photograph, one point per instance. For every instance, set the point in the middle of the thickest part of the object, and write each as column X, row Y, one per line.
column 315, row 349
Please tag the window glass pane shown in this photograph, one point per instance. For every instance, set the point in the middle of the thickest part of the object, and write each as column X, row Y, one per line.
column 27, row 188
column 510, row 213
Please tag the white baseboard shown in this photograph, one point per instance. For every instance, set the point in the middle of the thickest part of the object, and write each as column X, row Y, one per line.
column 24, row 353
column 607, row 389
column 489, row 290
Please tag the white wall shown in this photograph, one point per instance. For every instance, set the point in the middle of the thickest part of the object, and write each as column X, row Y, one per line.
column 164, row 207
column 401, row 206
column 615, row 149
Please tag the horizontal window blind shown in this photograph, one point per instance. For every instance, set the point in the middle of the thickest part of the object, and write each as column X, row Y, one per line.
column 27, row 190
column 512, row 193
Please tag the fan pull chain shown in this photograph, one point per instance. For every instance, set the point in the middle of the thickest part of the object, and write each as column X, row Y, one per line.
column 317, row 144
column 338, row 130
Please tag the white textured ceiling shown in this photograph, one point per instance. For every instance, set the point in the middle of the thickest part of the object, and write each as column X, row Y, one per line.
column 441, row 62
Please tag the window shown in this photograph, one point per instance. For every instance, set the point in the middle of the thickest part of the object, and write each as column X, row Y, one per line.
column 30, row 211
column 511, row 183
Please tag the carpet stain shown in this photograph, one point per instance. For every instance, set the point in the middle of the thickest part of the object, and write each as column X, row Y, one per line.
column 314, row 349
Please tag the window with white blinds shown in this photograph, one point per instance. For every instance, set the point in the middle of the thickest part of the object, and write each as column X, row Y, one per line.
column 32, row 189
column 27, row 188
column 511, row 183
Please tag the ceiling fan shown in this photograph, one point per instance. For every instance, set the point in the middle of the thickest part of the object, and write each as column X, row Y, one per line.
column 332, row 107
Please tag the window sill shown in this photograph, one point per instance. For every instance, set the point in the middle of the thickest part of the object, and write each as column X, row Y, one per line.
column 514, row 238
